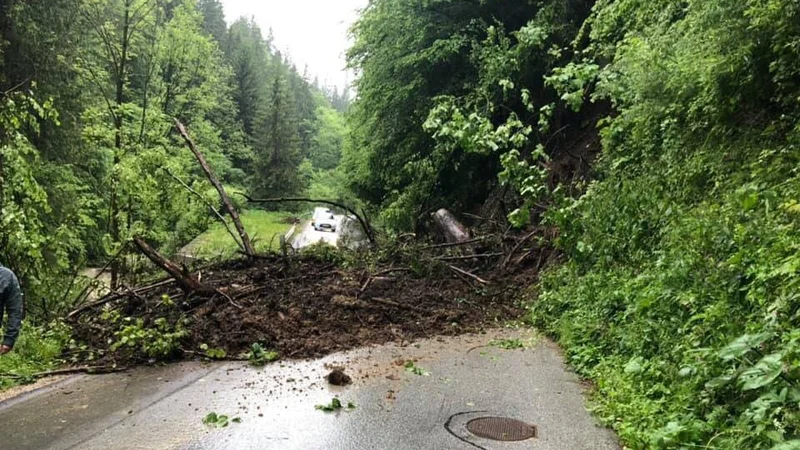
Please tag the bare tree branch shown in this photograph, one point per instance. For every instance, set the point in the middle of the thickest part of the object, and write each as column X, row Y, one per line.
column 210, row 206
column 220, row 189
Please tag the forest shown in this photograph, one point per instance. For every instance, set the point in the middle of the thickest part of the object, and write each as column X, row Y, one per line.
column 652, row 148
column 90, row 154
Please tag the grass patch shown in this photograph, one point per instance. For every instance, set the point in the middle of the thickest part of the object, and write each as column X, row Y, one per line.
column 263, row 227
column 37, row 350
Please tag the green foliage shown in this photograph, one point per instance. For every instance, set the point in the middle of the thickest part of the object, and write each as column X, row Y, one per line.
column 161, row 340
column 416, row 370
column 29, row 244
column 213, row 353
column 259, row 356
column 329, row 139
column 507, row 344
column 215, row 420
column 277, row 142
column 37, row 350
column 678, row 296
column 446, row 106
column 335, row 405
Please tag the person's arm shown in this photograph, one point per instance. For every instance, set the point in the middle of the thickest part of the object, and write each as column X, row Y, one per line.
column 12, row 296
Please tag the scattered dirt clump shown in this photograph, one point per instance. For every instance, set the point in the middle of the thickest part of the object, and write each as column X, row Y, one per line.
column 337, row 377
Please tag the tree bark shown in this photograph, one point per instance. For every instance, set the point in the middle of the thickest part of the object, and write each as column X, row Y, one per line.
column 248, row 246
column 185, row 281
column 452, row 230
column 119, row 99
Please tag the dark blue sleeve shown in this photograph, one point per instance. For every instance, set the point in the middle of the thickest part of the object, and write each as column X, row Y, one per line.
column 11, row 297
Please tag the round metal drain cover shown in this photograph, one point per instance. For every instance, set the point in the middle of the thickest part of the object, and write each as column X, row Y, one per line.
column 501, row 429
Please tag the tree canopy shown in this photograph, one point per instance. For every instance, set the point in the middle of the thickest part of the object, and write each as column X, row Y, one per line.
column 658, row 140
column 89, row 152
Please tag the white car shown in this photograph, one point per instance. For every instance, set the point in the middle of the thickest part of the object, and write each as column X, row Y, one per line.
column 323, row 220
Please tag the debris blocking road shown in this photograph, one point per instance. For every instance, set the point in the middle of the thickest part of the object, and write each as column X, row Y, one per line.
column 304, row 307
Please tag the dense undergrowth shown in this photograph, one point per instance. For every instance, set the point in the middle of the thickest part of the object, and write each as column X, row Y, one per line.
column 680, row 292
column 39, row 349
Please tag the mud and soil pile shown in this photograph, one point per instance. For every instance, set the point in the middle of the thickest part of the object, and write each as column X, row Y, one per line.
column 303, row 307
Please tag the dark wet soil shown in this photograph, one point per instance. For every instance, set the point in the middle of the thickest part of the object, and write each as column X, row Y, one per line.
column 304, row 307
column 337, row 377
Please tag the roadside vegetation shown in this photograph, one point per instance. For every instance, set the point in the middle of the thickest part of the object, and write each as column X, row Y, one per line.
column 679, row 295
column 38, row 350
column 629, row 169
column 659, row 143
column 264, row 227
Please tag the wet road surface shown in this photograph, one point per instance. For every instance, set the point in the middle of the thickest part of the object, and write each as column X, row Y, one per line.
column 309, row 236
column 462, row 378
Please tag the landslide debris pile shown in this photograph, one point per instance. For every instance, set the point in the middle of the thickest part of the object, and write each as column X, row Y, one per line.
column 300, row 307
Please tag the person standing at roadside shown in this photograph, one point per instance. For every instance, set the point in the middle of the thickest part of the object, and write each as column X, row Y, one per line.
column 11, row 307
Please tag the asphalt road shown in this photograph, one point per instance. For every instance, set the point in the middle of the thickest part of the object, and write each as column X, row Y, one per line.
column 460, row 379
column 309, row 236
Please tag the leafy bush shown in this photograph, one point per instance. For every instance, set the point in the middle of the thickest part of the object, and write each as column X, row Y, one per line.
column 679, row 297
column 259, row 356
column 38, row 349
column 160, row 340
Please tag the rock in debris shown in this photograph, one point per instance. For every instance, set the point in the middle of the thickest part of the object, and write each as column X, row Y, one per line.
column 337, row 377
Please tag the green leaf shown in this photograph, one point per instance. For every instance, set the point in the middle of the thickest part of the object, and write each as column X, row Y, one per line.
column 749, row 201
column 634, row 365
column 763, row 373
column 720, row 381
column 742, row 345
column 788, row 445
column 334, row 405
column 216, row 420
column 411, row 367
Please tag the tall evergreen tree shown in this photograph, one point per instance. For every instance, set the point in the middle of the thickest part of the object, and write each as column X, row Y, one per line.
column 247, row 53
column 277, row 147
column 214, row 20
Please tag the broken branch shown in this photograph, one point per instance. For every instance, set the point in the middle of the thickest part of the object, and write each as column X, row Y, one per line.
column 248, row 246
column 457, row 244
column 115, row 296
column 211, row 207
column 460, row 258
column 383, row 272
column 471, row 275
column 186, row 282
column 516, row 247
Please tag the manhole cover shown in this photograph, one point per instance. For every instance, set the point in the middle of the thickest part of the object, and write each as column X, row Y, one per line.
column 501, row 429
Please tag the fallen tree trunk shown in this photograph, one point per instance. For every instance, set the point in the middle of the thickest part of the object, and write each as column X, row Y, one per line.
column 452, row 230
column 361, row 219
column 185, row 281
column 248, row 246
